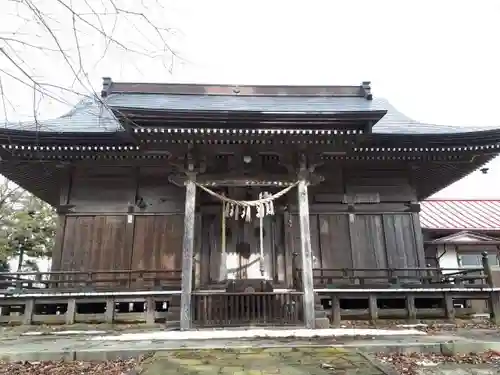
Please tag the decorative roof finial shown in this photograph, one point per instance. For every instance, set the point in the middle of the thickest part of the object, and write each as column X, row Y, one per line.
column 106, row 86
column 366, row 85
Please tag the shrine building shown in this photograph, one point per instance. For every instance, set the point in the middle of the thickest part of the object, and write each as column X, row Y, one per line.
column 227, row 184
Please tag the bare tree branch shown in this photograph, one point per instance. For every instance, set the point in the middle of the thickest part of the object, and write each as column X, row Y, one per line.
column 82, row 36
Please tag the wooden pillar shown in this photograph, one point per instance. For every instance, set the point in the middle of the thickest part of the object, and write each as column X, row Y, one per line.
column 306, row 252
column 373, row 307
column 109, row 314
column 150, row 310
column 410, row 307
column 487, row 269
column 70, row 311
column 336, row 316
column 187, row 253
column 29, row 307
column 448, row 306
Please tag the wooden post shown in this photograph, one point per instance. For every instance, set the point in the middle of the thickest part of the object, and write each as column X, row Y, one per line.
column 448, row 306
column 306, row 252
column 410, row 307
column 70, row 311
column 187, row 253
column 494, row 301
column 109, row 315
column 336, row 316
column 487, row 269
column 29, row 306
column 373, row 307
column 150, row 310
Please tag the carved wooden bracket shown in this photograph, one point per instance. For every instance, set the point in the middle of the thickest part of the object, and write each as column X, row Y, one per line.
column 302, row 164
column 189, row 163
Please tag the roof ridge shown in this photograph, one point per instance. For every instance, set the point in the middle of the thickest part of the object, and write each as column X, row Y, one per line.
column 362, row 90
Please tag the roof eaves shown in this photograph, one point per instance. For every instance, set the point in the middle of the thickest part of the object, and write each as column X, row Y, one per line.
column 395, row 122
column 90, row 115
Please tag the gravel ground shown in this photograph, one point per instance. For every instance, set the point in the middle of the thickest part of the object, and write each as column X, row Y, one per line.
column 409, row 364
column 119, row 367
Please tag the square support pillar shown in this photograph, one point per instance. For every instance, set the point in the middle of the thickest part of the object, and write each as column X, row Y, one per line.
column 187, row 254
column 306, row 252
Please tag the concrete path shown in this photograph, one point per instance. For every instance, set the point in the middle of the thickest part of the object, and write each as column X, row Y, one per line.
column 284, row 355
column 84, row 345
column 287, row 361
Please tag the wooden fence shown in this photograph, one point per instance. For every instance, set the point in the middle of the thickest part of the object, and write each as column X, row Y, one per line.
column 236, row 309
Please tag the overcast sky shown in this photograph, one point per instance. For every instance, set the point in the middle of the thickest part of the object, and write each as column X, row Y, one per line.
column 436, row 61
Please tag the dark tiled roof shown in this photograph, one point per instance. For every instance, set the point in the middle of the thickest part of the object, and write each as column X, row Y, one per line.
column 88, row 116
column 395, row 122
column 91, row 116
column 269, row 104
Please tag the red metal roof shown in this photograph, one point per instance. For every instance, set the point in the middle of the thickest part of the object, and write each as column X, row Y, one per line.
column 450, row 214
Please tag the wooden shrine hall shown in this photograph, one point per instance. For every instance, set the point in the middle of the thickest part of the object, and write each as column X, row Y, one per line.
column 262, row 196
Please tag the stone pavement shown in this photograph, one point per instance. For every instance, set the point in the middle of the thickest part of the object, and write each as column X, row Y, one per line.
column 287, row 361
column 327, row 355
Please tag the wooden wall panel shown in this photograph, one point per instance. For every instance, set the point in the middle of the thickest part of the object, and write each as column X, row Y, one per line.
column 368, row 247
column 402, row 246
column 158, row 242
column 94, row 243
column 159, row 195
column 109, row 194
column 334, row 241
column 112, row 190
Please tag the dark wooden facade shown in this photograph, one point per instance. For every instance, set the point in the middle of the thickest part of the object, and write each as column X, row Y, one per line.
column 127, row 198
column 106, row 230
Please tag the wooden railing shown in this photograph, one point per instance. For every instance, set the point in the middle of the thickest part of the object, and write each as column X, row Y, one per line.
column 380, row 277
column 90, row 280
column 235, row 309
column 389, row 277
column 409, row 293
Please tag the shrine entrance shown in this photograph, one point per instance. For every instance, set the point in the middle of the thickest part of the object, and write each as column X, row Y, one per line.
column 237, row 246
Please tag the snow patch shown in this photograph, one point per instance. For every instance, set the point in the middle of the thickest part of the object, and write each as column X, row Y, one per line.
column 62, row 333
column 255, row 333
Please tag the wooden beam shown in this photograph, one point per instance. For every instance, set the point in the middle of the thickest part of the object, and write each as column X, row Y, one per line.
column 188, row 252
column 306, row 252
